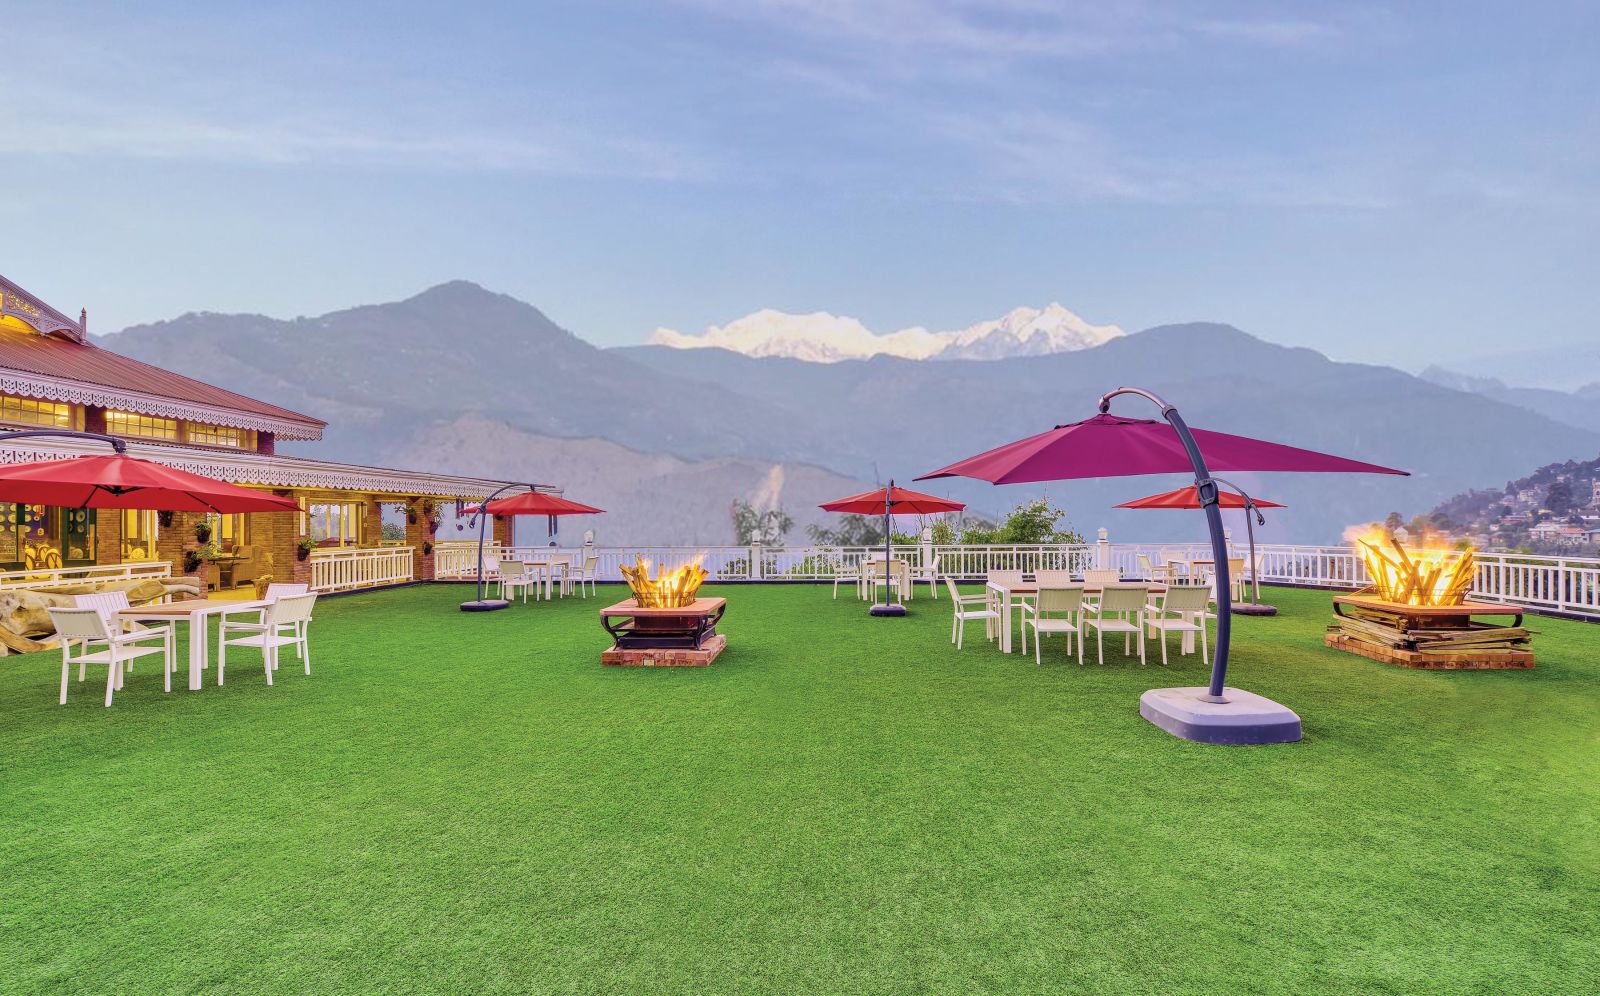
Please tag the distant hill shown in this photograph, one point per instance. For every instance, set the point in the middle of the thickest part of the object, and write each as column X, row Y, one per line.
column 1580, row 407
column 397, row 380
column 1556, row 368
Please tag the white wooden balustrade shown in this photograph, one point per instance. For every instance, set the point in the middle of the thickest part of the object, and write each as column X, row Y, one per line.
column 51, row 577
column 1558, row 584
column 350, row 568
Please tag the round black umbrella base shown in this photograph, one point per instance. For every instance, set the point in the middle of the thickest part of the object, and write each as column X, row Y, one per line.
column 889, row 610
column 484, row 605
column 1254, row 609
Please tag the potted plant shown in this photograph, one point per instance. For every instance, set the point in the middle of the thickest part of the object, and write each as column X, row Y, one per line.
column 303, row 550
column 202, row 532
column 164, row 517
column 427, row 547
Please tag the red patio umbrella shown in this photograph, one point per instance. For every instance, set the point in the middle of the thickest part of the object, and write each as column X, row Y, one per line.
column 1189, row 497
column 891, row 501
column 120, row 481
column 530, row 502
column 1115, row 446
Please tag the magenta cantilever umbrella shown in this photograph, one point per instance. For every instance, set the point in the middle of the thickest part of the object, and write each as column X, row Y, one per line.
column 1116, row 446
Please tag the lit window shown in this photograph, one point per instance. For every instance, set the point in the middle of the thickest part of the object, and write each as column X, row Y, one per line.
column 143, row 426
column 139, row 531
column 29, row 411
column 216, row 435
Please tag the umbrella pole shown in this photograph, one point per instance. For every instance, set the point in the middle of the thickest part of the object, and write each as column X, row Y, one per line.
column 1210, row 716
column 481, row 604
column 1251, row 515
column 889, row 607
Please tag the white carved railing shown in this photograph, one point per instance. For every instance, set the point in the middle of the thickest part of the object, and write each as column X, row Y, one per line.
column 348, row 569
column 50, row 577
column 1561, row 584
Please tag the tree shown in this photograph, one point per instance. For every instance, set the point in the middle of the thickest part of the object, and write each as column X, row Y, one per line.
column 1558, row 499
column 1035, row 522
column 751, row 526
column 853, row 530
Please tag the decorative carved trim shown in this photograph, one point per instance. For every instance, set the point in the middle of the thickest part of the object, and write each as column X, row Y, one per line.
column 272, row 471
column 76, row 392
column 19, row 303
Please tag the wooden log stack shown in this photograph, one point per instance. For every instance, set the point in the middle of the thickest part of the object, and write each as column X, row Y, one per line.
column 1428, row 636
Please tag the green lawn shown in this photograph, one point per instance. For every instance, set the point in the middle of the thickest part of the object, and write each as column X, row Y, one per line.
column 463, row 802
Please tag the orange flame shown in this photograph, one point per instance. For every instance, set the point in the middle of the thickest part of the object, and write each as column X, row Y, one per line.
column 1427, row 577
column 668, row 589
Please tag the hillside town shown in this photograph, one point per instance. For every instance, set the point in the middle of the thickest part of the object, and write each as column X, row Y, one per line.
column 1555, row 510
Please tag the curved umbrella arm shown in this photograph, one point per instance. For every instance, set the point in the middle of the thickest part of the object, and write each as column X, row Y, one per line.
column 483, row 514
column 1206, row 489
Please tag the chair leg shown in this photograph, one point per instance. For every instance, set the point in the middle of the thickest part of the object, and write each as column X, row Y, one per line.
column 305, row 651
column 955, row 622
column 222, row 656
column 1203, row 659
column 1161, row 634
column 1038, row 647
column 112, row 674
column 66, row 670
column 1100, row 639
column 269, row 662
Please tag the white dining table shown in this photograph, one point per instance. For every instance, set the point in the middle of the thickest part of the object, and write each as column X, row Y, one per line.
column 547, row 567
column 197, row 613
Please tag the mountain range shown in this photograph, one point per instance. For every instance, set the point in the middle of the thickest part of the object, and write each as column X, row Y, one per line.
column 1580, row 407
column 461, row 379
column 820, row 337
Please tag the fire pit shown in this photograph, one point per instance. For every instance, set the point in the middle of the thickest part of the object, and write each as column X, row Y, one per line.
column 665, row 623
column 1416, row 614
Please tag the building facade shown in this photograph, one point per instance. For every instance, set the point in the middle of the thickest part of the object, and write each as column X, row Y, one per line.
column 358, row 526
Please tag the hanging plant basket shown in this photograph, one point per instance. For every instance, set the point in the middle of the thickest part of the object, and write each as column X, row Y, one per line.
column 202, row 532
column 427, row 548
column 164, row 517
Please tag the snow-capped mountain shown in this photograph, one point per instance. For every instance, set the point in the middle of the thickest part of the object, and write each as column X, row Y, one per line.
column 820, row 337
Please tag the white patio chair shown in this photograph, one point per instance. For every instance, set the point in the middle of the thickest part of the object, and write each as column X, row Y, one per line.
column 899, row 578
column 1057, row 610
column 1102, row 575
column 962, row 608
column 109, row 603
column 1010, row 580
column 281, row 589
column 1159, row 573
column 281, row 625
column 1237, row 581
column 1119, row 609
column 846, row 574
column 928, row 572
column 1181, row 609
column 514, row 575
column 1055, row 579
column 86, row 628
column 587, row 573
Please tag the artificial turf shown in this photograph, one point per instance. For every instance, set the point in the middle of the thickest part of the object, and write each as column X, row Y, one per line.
column 457, row 802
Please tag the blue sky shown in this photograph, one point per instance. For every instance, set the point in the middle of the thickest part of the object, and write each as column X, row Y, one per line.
column 1379, row 182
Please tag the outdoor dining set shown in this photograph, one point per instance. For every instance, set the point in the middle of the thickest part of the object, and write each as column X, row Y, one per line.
column 104, row 630
column 547, row 575
column 1060, row 602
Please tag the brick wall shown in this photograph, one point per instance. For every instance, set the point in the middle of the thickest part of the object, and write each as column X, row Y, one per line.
column 278, row 533
column 175, row 539
column 107, row 536
column 419, row 535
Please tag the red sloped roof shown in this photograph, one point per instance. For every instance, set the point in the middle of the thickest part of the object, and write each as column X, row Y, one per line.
column 51, row 356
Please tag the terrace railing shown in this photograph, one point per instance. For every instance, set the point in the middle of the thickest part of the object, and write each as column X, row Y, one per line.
column 51, row 577
column 351, row 568
column 1558, row 584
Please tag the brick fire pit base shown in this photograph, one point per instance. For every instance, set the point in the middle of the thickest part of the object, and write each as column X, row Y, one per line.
column 666, row 656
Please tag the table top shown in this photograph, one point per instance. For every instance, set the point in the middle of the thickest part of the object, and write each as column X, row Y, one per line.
column 190, row 607
column 1431, row 611
column 698, row 607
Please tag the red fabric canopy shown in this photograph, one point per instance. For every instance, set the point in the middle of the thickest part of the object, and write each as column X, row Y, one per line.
column 1113, row 446
column 899, row 502
column 120, row 481
column 1189, row 498
column 538, row 503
